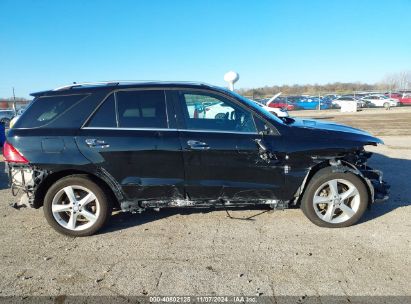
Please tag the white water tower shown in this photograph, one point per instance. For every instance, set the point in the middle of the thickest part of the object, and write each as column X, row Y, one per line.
column 231, row 77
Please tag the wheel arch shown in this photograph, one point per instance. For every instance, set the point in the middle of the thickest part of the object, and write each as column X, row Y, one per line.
column 45, row 185
column 336, row 166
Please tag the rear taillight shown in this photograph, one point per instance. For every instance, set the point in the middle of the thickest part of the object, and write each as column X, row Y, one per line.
column 12, row 155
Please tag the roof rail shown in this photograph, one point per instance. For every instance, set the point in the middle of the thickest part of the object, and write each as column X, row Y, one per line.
column 80, row 84
column 117, row 82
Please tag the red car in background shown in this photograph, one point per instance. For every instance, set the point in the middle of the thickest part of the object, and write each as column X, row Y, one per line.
column 282, row 103
column 403, row 98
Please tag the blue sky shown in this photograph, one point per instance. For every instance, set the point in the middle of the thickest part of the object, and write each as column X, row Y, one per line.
column 47, row 43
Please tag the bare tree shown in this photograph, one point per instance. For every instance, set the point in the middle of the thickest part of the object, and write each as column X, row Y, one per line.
column 397, row 81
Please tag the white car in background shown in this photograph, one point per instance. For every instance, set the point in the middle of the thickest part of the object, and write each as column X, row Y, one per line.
column 379, row 100
column 338, row 102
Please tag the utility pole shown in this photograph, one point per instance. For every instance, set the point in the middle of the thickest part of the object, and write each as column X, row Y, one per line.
column 319, row 100
column 14, row 103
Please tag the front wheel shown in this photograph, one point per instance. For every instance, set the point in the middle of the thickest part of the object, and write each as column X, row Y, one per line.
column 76, row 206
column 334, row 199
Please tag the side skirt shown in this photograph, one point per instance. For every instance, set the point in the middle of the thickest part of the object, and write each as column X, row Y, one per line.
column 140, row 206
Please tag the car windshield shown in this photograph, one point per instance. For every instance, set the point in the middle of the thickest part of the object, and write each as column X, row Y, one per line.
column 255, row 106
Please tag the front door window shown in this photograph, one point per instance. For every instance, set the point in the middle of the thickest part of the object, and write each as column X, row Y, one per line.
column 210, row 112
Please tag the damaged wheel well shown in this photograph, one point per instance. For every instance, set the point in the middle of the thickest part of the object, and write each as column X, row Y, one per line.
column 53, row 177
column 342, row 166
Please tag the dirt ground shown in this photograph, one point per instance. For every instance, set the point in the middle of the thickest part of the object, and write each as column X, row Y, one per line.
column 203, row 252
column 380, row 122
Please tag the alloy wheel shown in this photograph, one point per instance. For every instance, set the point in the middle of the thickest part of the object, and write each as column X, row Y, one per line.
column 336, row 201
column 75, row 208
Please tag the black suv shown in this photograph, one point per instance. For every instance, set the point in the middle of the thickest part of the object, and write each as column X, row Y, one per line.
column 82, row 150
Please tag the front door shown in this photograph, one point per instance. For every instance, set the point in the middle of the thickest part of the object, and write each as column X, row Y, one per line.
column 222, row 159
column 130, row 138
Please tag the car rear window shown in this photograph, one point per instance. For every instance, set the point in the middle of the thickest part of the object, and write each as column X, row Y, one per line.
column 46, row 109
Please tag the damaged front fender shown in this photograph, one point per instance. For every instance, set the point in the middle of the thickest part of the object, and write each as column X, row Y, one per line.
column 378, row 189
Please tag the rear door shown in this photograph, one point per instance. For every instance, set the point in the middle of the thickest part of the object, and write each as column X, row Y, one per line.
column 131, row 138
column 222, row 158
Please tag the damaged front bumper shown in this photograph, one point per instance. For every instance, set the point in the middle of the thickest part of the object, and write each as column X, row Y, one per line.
column 378, row 187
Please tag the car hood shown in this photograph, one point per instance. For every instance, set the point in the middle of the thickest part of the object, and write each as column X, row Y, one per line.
column 336, row 131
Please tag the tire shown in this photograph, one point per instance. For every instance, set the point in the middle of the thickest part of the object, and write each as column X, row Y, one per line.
column 88, row 218
column 320, row 189
column 386, row 105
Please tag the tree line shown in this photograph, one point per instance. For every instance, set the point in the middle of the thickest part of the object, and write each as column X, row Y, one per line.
column 310, row 89
column 391, row 82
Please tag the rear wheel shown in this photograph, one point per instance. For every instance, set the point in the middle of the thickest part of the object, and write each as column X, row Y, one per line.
column 334, row 199
column 386, row 105
column 76, row 206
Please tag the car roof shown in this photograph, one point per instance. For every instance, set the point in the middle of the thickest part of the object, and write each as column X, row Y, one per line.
column 110, row 85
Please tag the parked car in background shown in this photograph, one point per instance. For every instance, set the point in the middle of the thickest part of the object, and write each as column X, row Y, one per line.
column 81, row 151
column 340, row 100
column 6, row 116
column 380, row 100
column 283, row 103
column 214, row 109
column 394, row 95
column 279, row 112
column 331, row 96
column 312, row 103
column 403, row 98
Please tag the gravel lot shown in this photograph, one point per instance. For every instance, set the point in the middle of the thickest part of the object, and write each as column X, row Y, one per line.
column 203, row 252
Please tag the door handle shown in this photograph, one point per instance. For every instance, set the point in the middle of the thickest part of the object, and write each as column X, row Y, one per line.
column 96, row 143
column 197, row 145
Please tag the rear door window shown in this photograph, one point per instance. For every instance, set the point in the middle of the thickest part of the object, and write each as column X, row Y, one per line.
column 141, row 109
column 46, row 109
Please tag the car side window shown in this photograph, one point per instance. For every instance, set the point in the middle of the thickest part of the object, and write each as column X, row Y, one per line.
column 105, row 116
column 141, row 109
column 206, row 111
